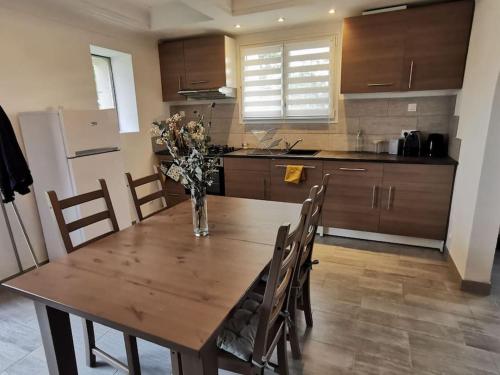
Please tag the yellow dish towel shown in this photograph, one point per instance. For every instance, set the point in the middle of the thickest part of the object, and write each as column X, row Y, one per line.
column 294, row 173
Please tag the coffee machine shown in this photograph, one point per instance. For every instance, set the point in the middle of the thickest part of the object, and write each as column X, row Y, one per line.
column 411, row 144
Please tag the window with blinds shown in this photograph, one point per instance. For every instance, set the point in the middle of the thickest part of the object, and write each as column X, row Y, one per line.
column 287, row 81
column 262, row 82
column 307, row 79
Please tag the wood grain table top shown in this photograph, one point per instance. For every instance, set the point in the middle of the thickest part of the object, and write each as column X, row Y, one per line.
column 157, row 281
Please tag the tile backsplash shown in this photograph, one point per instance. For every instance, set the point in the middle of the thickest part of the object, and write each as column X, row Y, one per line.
column 379, row 119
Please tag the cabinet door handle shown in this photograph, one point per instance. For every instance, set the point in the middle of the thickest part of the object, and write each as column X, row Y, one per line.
column 374, row 195
column 180, row 83
column 380, row 84
column 305, row 166
column 353, row 169
column 411, row 74
column 265, row 188
column 389, row 198
column 198, row 82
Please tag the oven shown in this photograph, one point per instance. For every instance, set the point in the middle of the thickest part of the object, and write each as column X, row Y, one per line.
column 217, row 187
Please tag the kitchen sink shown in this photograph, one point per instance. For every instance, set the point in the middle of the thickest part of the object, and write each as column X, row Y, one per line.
column 302, row 152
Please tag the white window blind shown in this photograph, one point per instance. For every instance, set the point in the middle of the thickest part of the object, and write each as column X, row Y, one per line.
column 262, row 76
column 308, row 69
column 287, row 81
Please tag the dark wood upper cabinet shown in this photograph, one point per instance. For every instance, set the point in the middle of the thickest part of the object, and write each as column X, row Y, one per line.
column 437, row 40
column 373, row 53
column 422, row 48
column 172, row 68
column 207, row 62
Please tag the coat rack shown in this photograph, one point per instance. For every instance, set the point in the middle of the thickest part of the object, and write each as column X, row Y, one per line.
column 25, row 235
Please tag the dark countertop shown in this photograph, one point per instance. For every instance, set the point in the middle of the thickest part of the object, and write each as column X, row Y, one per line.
column 349, row 156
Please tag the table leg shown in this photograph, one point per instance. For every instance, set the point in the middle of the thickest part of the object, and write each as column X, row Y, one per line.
column 134, row 366
column 205, row 363
column 57, row 340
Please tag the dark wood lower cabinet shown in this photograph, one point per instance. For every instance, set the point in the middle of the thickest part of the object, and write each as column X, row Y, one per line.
column 289, row 192
column 247, row 184
column 352, row 200
column 247, row 178
column 415, row 200
column 175, row 192
column 389, row 198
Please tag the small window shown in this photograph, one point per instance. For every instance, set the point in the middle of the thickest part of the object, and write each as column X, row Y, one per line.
column 288, row 81
column 115, row 85
column 103, row 75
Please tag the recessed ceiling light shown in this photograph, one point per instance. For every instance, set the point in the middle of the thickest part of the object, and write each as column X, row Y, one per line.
column 331, row 11
column 281, row 19
column 238, row 26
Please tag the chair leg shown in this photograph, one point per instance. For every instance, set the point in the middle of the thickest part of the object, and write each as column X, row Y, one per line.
column 306, row 293
column 89, row 341
column 292, row 331
column 134, row 366
column 282, row 355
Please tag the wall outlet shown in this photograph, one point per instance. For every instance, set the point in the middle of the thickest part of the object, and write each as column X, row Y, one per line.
column 412, row 107
column 407, row 131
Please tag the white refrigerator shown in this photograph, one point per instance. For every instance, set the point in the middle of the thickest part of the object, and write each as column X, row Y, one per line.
column 68, row 151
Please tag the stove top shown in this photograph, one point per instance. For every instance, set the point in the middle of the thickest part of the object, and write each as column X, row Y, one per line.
column 219, row 150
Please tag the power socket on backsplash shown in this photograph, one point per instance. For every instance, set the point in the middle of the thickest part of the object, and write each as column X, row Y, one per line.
column 407, row 131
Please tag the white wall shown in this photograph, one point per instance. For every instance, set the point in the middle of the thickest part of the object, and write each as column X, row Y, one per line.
column 475, row 216
column 46, row 63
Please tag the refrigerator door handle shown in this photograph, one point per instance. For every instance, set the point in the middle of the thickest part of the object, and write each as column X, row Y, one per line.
column 94, row 151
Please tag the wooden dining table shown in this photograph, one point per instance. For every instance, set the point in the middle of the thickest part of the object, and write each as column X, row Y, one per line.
column 157, row 281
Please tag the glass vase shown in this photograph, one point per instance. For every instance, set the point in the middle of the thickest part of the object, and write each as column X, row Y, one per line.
column 200, row 216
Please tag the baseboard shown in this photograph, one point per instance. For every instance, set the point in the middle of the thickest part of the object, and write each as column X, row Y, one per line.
column 475, row 287
column 469, row 286
column 380, row 237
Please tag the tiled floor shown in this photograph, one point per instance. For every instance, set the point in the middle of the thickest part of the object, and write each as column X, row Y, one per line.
column 379, row 309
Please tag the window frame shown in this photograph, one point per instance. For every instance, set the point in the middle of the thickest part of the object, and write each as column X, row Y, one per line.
column 333, row 83
column 110, row 68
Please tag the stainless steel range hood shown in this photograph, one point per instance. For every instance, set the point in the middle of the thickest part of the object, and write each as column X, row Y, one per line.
column 210, row 94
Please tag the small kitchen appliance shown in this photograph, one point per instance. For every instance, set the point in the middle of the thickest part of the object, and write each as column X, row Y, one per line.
column 214, row 151
column 436, row 146
column 412, row 144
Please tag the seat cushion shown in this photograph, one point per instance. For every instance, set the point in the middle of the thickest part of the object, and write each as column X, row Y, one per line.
column 239, row 331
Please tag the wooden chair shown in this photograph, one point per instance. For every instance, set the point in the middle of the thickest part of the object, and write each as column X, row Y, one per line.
column 138, row 202
column 273, row 312
column 301, row 289
column 91, row 350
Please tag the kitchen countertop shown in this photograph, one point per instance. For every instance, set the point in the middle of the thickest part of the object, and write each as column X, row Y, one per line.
column 349, row 156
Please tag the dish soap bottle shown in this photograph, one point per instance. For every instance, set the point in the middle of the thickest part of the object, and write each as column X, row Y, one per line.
column 359, row 141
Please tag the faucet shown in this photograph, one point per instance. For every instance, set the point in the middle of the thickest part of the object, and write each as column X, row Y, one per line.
column 289, row 147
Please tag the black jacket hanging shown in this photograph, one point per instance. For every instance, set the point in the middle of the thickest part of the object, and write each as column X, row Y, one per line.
column 15, row 175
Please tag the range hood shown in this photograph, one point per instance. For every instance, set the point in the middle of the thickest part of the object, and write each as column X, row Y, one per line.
column 209, row 94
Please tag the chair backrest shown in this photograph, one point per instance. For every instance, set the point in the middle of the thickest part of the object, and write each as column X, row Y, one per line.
column 274, row 308
column 66, row 228
column 317, row 195
column 138, row 202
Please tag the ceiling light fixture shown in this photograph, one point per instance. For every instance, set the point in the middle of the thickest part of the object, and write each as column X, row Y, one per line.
column 238, row 26
column 331, row 11
column 281, row 19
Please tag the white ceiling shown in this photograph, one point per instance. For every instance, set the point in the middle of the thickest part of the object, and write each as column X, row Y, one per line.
column 167, row 19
